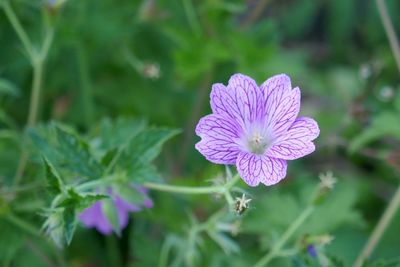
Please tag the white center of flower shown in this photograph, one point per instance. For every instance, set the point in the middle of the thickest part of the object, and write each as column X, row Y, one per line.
column 257, row 143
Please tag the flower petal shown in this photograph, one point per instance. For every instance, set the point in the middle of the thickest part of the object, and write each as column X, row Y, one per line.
column 241, row 100
column 93, row 216
column 259, row 168
column 282, row 104
column 218, row 139
column 278, row 82
column 123, row 209
column 297, row 141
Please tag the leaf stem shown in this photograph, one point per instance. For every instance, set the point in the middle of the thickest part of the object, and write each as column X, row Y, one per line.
column 376, row 235
column 276, row 249
column 193, row 190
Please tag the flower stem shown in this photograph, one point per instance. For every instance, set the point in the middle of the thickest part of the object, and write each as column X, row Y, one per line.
column 379, row 229
column 276, row 249
column 193, row 190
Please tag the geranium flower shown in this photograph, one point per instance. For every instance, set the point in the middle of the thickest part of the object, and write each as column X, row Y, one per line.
column 94, row 215
column 256, row 128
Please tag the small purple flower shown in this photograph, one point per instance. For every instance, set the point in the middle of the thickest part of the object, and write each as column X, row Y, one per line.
column 256, row 128
column 312, row 251
column 94, row 215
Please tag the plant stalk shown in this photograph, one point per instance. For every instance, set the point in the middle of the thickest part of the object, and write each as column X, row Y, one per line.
column 276, row 249
column 193, row 190
column 379, row 230
column 389, row 29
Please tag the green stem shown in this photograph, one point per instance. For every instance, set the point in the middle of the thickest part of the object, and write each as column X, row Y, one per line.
column 276, row 249
column 390, row 32
column 376, row 235
column 33, row 109
column 35, row 93
column 193, row 190
column 37, row 66
column 18, row 28
column 95, row 184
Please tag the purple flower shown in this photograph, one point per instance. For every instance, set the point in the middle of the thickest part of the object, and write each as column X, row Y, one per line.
column 256, row 128
column 94, row 215
column 312, row 251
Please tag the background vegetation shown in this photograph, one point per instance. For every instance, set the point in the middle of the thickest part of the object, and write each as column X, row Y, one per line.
column 106, row 62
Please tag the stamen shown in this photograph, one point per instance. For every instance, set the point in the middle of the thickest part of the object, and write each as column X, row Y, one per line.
column 257, row 143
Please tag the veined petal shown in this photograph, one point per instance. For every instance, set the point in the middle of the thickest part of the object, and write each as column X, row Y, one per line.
column 218, row 139
column 297, row 141
column 260, row 168
column 278, row 82
column 241, row 100
column 282, row 104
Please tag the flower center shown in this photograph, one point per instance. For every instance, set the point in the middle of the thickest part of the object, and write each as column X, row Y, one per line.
column 257, row 143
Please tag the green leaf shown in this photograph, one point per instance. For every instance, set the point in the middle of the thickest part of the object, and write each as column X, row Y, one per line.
column 8, row 88
column 88, row 200
column 384, row 124
column 140, row 173
column 69, row 217
column 147, row 145
column 81, row 201
column 111, row 213
column 108, row 157
column 44, row 139
column 77, row 156
column 119, row 132
column 54, row 182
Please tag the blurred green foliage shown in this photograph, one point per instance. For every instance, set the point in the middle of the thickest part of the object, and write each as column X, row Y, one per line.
column 155, row 61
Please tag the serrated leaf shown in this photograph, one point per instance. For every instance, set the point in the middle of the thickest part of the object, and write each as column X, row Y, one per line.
column 119, row 132
column 69, row 217
column 77, row 156
column 147, row 145
column 89, row 199
column 45, row 142
column 54, row 182
column 81, row 201
column 110, row 211
column 141, row 173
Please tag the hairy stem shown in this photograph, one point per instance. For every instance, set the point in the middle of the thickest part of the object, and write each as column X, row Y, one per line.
column 276, row 249
column 376, row 235
column 390, row 32
column 193, row 190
